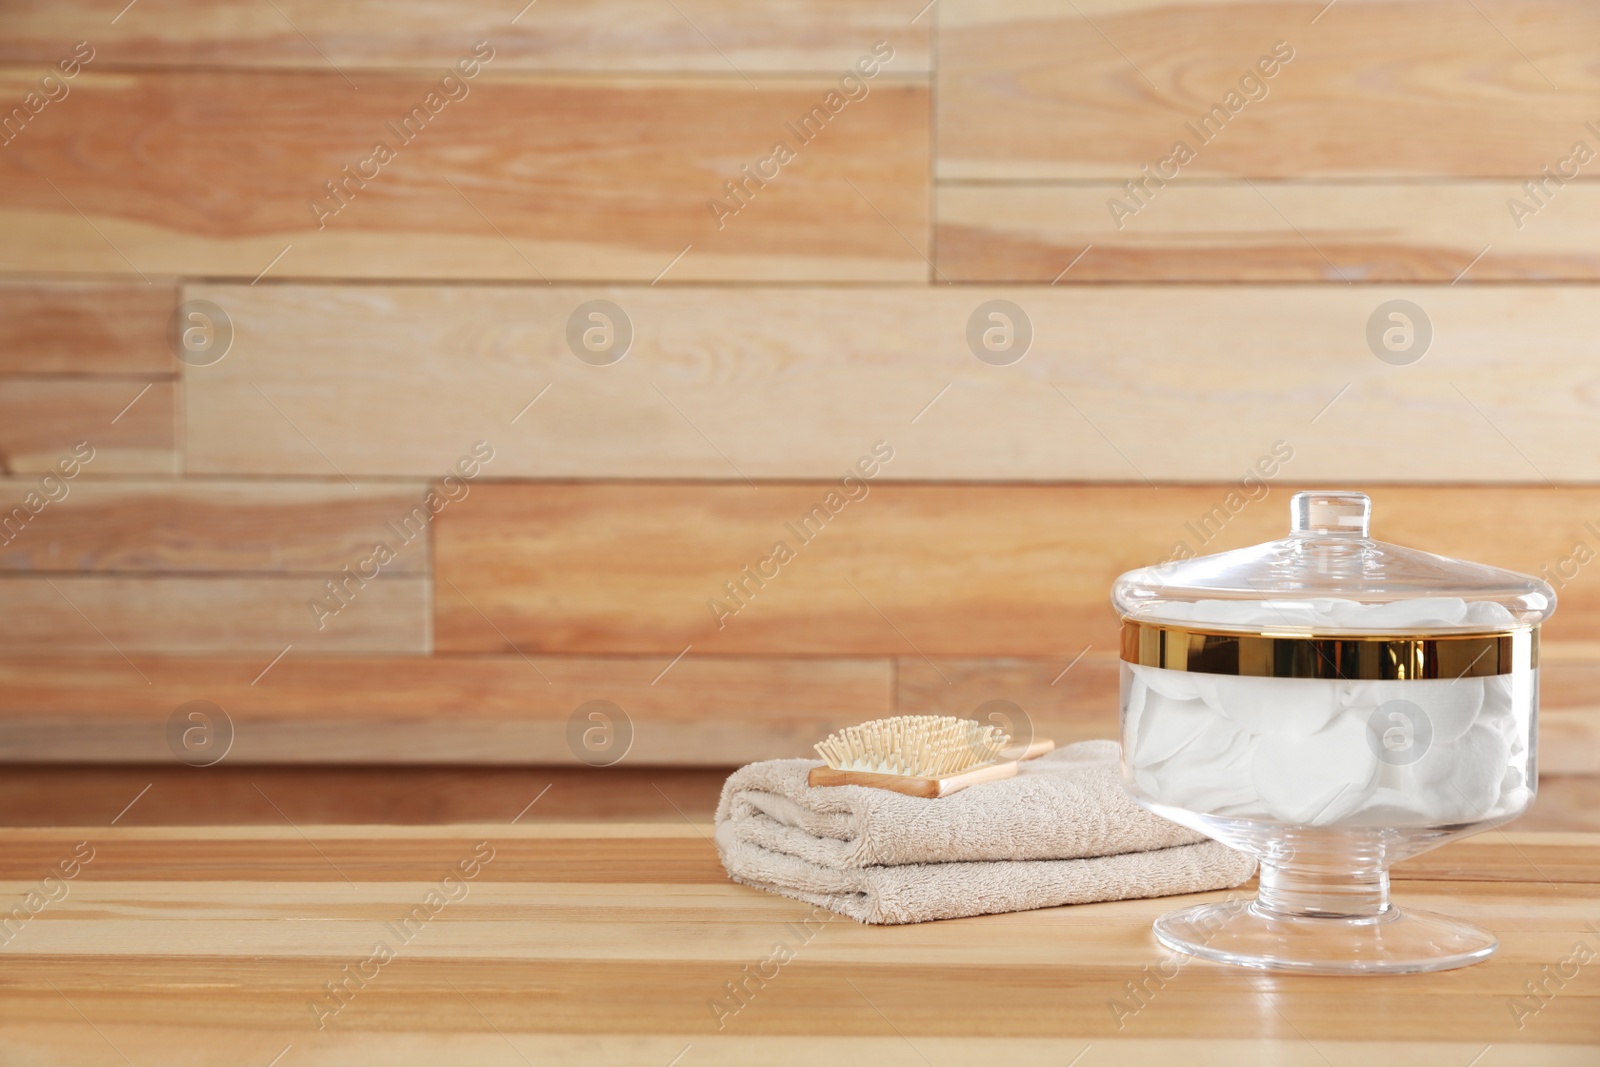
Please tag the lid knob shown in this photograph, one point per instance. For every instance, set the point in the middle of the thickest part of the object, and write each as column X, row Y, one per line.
column 1333, row 513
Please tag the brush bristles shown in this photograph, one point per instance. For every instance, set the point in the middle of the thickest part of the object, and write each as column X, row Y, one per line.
column 917, row 746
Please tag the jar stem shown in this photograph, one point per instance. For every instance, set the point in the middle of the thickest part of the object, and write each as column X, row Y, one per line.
column 1317, row 892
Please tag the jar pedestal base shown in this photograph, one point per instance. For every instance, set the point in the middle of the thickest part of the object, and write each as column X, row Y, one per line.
column 1395, row 941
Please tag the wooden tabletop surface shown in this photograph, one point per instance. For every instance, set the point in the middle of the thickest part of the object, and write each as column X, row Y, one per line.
column 569, row 942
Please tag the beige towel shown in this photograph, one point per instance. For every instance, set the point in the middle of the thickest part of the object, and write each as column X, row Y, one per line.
column 1062, row 832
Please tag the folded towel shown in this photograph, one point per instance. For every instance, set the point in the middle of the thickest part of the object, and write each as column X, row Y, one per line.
column 1062, row 832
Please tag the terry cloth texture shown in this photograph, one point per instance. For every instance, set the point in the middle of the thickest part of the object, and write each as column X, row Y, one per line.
column 1063, row 831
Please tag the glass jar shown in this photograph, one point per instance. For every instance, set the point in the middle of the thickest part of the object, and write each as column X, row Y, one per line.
column 1329, row 704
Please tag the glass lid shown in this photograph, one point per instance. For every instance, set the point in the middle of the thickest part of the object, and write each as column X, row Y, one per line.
column 1329, row 576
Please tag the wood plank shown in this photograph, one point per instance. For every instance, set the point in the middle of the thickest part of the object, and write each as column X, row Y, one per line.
column 130, row 424
column 614, row 855
column 556, row 920
column 599, row 35
column 1006, row 571
column 230, row 855
column 66, row 1043
column 896, row 1015
column 502, row 710
column 200, row 615
column 246, row 920
column 488, row 187
column 1076, row 698
column 85, row 328
column 311, row 709
column 1492, row 857
column 1569, row 715
column 421, row 1048
column 232, row 792
column 206, row 527
column 236, row 793
column 799, row 382
column 1071, row 699
column 1569, row 802
column 1425, row 231
column 1031, row 90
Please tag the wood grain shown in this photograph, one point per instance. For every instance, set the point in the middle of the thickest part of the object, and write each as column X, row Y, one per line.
column 131, row 424
column 771, row 349
column 195, row 527
column 1031, row 90
column 1565, row 803
column 415, row 1048
column 195, row 615
column 251, row 922
column 927, row 788
column 1121, row 383
column 489, row 188
column 1071, row 699
column 506, row 710
column 316, row 709
column 714, row 36
column 87, row 328
column 1426, row 231
column 908, row 571
column 233, row 793
column 575, row 853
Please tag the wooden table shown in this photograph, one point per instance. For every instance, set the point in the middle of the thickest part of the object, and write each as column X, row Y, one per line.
column 614, row 943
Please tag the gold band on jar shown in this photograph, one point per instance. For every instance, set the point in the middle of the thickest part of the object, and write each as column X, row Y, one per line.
column 1375, row 657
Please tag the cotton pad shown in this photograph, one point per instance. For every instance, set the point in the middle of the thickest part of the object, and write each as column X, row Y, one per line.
column 1390, row 806
column 1277, row 705
column 1174, row 685
column 1421, row 614
column 1303, row 750
column 1461, row 781
column 1225, row 612
column 1497, row 694
column 1449, row 704
column 1488, row 615
column 1219, row 752
column 1330, row 703
column 1332, row 611
column 1166, row 726
column 1218, row 742
column 1333, row 614
column 1212, row 771
column 1176, row 611
column 1134, row 694
column 1507, row 711
column 1317, row 778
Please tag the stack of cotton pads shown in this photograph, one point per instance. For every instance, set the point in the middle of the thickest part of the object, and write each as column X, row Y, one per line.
column 1330, row 615
column 1314, row 752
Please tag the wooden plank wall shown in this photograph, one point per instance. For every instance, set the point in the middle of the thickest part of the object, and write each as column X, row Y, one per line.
column 409, row 515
